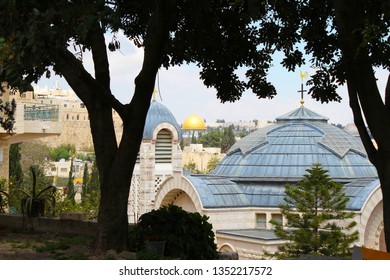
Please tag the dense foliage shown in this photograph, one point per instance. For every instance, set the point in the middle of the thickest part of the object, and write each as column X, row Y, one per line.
column 223, row 138
column 186, row 235
column 317, row 220
column 64, row 151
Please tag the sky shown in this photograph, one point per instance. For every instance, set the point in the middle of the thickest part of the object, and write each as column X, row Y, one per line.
column 181, row 91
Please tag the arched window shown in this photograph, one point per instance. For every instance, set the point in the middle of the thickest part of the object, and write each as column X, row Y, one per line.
column 164, row 146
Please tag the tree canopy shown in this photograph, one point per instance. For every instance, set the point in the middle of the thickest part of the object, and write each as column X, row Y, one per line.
column 346, row 39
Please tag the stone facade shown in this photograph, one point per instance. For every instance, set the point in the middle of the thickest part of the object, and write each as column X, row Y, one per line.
column 160, row 156
column 179, row 191
column 73, row 117
column 196, row 153
column 241, row 196
column 33, row 120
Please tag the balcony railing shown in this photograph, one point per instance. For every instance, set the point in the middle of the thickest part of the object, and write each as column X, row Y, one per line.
column 40, row 112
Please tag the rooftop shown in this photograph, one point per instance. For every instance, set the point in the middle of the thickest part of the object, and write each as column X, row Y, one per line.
column 158, row 114
column 293, row 144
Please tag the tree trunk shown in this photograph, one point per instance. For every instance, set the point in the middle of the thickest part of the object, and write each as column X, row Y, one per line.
column 116, row 167
column 116, row 163
column 114, row 174
column 112, row 220
column 365, row 96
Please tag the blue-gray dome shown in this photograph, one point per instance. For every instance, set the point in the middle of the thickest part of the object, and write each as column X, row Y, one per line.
column 288, row 147
column 158, row 114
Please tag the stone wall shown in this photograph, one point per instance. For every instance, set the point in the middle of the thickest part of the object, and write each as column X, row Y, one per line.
column 76, row 130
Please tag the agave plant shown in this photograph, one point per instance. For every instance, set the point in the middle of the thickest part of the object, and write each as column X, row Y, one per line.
column 34, row 203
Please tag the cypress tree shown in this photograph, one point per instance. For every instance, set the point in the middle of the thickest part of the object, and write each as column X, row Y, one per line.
column 317, row 220
column 94, row 184
column 228, row 139
column 84, row 187
column 15, row 168
column 15, row 176
column 70, row 186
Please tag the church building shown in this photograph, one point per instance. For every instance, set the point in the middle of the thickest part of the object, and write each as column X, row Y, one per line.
column 242, row 194
column 159, row 157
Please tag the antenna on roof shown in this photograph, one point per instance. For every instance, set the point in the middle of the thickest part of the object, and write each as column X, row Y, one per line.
column 303, row 76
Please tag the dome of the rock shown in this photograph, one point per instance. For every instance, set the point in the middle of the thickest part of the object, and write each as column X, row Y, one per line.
column 193, row 122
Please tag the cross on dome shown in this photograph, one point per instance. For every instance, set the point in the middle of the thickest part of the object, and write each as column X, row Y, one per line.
column 303, row 76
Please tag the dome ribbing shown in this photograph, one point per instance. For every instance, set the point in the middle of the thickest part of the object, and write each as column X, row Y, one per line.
column 288, row 147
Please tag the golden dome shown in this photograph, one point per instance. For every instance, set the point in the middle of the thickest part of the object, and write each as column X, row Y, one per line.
column 193, row 122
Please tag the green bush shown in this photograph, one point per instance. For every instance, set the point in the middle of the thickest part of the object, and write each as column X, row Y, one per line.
column 187, row 235
column 3, row 195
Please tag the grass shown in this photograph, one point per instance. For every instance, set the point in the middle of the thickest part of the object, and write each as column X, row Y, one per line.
column 45, row 246
column 57, row 248
column 20, row 244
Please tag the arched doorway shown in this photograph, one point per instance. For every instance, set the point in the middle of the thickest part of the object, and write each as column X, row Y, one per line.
column 179, row 198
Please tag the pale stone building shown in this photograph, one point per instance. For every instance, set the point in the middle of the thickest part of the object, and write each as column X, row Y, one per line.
column 242, row 194
column 200, row 156
column 62, row 168
column 160, row 156
column 241, row 124
column 32, row 121
column 73, row 117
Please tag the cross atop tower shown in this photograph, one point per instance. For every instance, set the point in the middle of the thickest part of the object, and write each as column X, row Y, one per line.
column 303, row 76
column 302, row 91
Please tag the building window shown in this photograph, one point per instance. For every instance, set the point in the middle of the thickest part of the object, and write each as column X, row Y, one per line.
column 64, row 169
column 261, row 221
column 277, row 218
column 164, row 146
column 54, row 169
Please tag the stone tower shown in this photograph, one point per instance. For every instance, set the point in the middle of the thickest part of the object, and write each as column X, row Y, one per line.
column 159, row 157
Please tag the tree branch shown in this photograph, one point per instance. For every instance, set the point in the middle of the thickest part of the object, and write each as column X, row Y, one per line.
column 357, row 63
column 75, row 74
column 99, row 56
column 360, row 124
column 155, row 42
column 86, row 87
column 387, row 94
column 136, row 111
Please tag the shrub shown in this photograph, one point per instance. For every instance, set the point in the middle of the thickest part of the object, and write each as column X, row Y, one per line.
column 187, row 235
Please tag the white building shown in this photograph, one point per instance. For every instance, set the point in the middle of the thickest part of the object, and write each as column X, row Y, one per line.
column 242, row 194
column 159, row 158
column 32, row 121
